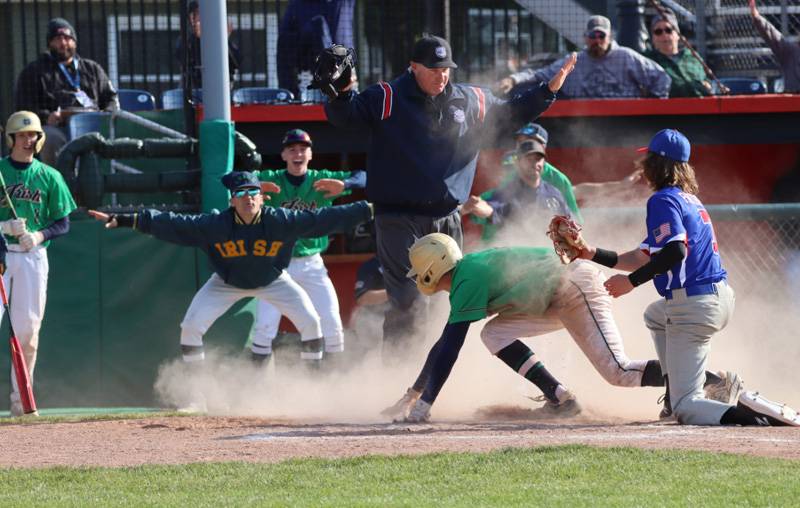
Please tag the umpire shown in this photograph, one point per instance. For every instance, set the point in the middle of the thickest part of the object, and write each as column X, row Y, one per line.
column 426, row 134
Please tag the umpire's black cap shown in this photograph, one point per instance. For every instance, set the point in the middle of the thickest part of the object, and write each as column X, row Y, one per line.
column 433, row 52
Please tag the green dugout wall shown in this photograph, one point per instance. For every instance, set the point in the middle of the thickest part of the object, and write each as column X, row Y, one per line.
column 115, row 302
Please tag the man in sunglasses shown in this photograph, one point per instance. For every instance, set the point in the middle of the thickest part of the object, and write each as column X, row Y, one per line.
column 604, row 70
column 249, row 246
column 688, row 75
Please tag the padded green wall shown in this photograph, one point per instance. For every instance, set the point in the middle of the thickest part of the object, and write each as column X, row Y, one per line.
column 115, row 302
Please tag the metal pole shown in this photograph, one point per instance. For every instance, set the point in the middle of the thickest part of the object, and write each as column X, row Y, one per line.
column 214, row 53
column 700, row 27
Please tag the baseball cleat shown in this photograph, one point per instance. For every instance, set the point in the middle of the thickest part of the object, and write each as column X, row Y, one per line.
column 400, row 407
column 17, row 411
column 767, row 412
column 727, row 389
column 666, row 410
column 566, row 408
column 420, row 413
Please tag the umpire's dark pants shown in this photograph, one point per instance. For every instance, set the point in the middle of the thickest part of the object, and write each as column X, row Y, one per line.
column 395, row 233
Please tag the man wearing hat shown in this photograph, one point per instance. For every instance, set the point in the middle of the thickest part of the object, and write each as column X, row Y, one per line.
column 686, row 71
column 35, row 210
column 525, row 199
column 249, row 247
column 604, row 69
column 301, row 188
column 60, row 80
column 426, row 134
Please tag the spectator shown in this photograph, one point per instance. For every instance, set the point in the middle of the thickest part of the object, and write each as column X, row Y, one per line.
column 299, row 188
column 307, row 27
column 38, row 212
column 787, row 53
column 60, row 81
column 686, row 71
column 195, row 73
column 527, row 195
column 426, row 134
column 604, row 70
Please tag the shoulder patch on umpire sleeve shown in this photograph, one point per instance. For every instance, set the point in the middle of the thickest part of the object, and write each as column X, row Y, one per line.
column 481, row 102
column 386, row 110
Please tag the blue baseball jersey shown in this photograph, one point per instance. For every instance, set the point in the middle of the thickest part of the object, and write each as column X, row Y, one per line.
column 677, row 216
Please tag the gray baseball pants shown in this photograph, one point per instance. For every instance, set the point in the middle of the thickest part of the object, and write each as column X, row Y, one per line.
column 682, row 328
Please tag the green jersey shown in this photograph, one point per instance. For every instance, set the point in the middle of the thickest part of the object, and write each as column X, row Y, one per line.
column 514, row 280
column 303, row 197
column 39, row 195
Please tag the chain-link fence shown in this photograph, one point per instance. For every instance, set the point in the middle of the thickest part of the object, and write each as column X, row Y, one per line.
column 730, row 41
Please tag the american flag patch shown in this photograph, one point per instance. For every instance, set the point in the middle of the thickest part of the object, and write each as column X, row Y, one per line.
column 662, row 232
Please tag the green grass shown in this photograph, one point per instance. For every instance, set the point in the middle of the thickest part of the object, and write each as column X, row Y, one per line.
column 549, row 476
column 72, row 415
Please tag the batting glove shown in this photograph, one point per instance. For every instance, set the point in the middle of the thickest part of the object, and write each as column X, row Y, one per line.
column 13, row 227
column 420, row 412
column 30, row 240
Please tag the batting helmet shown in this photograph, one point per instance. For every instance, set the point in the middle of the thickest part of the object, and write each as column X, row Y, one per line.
column 431, row 257
column 24, row 121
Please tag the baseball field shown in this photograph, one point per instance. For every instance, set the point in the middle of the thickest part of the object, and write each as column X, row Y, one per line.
column 501, row 457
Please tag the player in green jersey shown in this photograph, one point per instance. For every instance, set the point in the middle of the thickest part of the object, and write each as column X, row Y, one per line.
column 38, row 211
column 299, row 188
column 529, row 293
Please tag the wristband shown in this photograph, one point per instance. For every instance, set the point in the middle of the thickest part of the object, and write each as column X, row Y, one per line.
column 607, row 258
column 125, row 220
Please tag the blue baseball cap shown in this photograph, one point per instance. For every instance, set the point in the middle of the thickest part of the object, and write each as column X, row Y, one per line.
column 296, row 136
column 533, row 130
column 239, row 180
column 671, row 144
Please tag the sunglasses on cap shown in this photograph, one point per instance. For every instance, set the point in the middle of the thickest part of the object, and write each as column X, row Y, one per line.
column 246, row 192
column 666, row 30
column 596, row 35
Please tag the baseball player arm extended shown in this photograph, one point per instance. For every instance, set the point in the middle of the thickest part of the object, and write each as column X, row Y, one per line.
column 333, row 219
column 338, row 182
column 189, row 230
column 642, row 267
column 438, row 365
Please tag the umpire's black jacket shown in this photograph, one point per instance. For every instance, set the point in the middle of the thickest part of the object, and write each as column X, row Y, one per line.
column 424, row 150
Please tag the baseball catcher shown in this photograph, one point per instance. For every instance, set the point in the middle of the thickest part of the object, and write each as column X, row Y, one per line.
column 334, row 69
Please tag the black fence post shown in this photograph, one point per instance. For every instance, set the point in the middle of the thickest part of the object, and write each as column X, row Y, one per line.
column 631, row 31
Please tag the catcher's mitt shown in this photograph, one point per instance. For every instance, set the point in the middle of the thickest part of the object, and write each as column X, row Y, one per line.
column 567, row 240
column 333, row 70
